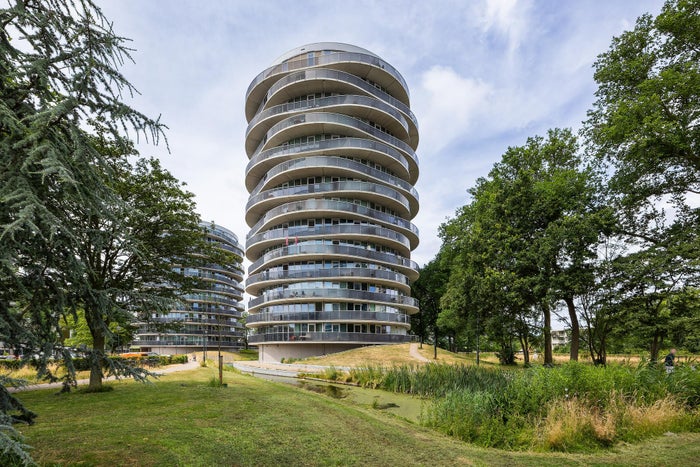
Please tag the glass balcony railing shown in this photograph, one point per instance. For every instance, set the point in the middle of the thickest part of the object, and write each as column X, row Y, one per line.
column 196, row 342
column 228, row 319
column 212, row 276
column 346, row 316
column 341, row 76
column 334, row 161
column 234, row 270
column 186, row 332
column 210, row 298
column 327, row 59
column 327, row 316
column 221, row 232
column 341, row 188
column 339, row 294
column 348, row 144
column 326, row 230
column 233, row 249
column 330, row 337
column 339, row 119
column 295, row 251
column 337, row 206
column 327, row 273
column 330, row 101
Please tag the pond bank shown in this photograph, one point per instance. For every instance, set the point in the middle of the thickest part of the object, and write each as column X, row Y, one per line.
column 402, row 405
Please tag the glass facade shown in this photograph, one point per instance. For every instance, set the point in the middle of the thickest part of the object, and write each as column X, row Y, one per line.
column 331, row 141
column 207, row 318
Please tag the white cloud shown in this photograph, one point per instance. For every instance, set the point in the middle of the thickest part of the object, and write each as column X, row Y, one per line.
column 447, row 105
column 508, row 18
column 483, row 76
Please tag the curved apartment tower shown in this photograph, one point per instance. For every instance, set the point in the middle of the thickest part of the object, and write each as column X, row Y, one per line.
column 331, row 141
column 208, row 317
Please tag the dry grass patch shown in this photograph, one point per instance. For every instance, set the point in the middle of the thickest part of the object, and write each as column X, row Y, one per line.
column 575, row 424
column 28, row 373
column 229, row 357
column 390, row 355
column 445, row 356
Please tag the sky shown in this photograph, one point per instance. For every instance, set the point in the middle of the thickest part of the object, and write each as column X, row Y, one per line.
column 483, row 75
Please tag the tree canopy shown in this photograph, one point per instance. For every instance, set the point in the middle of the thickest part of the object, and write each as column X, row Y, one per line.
column 82, row 224
column 603, row 231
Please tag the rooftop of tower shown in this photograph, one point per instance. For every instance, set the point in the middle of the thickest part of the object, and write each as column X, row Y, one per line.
column 317, row 46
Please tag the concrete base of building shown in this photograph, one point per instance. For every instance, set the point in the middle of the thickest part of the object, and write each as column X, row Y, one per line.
column 274, row 353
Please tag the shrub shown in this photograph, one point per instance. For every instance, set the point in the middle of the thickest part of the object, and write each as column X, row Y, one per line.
column 331, row 374
column 12, row 365
column 102, row 388
column 429, row 380
column 215, row 383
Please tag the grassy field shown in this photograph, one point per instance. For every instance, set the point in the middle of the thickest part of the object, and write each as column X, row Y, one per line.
column 28, row 373
column 181, row 420
column 398, row 354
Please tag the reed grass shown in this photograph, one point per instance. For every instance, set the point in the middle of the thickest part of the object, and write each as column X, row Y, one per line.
column 571, row 407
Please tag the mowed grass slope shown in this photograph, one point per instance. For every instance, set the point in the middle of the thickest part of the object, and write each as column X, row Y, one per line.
column 398, row 354
column 388, row 355
column 179, row 420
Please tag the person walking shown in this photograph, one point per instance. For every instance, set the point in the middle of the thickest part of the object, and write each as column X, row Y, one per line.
column 670, row 361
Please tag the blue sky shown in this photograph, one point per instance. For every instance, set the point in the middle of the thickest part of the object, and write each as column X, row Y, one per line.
column 483, row 75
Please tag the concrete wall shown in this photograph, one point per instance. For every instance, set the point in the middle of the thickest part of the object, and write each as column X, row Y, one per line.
column 273, row 353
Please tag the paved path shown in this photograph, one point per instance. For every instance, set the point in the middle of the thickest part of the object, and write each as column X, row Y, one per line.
column 164, row 371
column 413, row 352
column 290, row 370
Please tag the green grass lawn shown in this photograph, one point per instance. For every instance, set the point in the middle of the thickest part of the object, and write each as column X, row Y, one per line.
column 179, row 420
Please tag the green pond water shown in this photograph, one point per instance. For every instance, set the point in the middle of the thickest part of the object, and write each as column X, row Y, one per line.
column 401, row 405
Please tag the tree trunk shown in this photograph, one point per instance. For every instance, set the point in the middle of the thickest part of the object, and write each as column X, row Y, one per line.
column 526, row 350
column 548, row 357
column 435, row 339
column 655, row 347
column 591, row 346
column 575, row 331
column 98, row 349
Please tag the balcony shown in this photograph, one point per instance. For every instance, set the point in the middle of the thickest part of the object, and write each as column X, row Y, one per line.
column 329, row 316
column 330, row 59
column 350, row 82
column 369, row 149
column 371, row 233
column 378, row 275
column 348, row 188
column 326, row 294
column 321, row 337
column 326, row 121
column 325, row 162
column 212, row 344
column 332, row 208
column 297, row 252
column 381, row 113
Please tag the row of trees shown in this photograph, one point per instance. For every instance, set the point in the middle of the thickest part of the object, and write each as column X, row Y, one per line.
column 88, row 228
column 600, row 229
